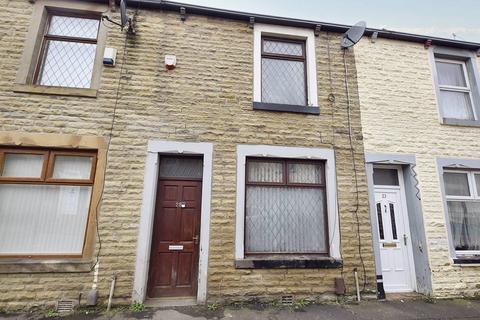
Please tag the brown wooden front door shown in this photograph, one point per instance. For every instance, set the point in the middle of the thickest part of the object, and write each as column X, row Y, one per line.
column 176, row 238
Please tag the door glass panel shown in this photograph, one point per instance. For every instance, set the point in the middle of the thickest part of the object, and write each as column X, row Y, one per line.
column 23, row 165
column 385, row 177
column 456, row 184
column 380, row 221
column 181, row 167
column 394, row 224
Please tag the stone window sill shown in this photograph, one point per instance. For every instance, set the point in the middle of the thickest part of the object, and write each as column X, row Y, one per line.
column 45, row 266
column 61, row 91
column 285, row 108
column 461, row 122
column 286, row 262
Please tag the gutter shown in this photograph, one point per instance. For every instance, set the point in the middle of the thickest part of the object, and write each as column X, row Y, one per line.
column 332, row 27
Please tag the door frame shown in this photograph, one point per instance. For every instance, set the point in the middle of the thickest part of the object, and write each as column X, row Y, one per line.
column 403, row 205
column 145, row 231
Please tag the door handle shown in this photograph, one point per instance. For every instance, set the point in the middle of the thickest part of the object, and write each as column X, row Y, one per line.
column 405, row 239
column 195, row 239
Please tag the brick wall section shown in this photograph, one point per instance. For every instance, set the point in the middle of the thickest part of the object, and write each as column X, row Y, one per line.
column 400, row 115
column 208, row 98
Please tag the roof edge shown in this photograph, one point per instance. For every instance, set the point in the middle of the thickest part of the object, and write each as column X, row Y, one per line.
column 261, row 18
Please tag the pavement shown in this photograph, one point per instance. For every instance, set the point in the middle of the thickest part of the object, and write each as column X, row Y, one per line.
column 457, row 309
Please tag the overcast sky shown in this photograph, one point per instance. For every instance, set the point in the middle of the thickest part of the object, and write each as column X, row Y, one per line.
column 429, row 17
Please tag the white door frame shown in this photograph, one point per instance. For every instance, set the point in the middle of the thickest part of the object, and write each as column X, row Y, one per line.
column 403, row 205
column 145, row 230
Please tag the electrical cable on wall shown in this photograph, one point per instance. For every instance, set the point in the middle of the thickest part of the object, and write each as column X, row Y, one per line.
column 331, row 98
column 110, row 133
column 357, row 200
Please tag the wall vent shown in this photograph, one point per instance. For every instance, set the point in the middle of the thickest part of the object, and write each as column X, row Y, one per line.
column 64, row 306
column 287, row 300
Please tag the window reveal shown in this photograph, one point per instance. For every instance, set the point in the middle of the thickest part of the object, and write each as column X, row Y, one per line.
column 285, row 207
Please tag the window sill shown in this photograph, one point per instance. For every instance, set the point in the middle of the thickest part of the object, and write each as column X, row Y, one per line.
column 285, row 262
column 285, row 108
column 461, row 122
column 45, row 266
column 472, row 261
column 61, row 91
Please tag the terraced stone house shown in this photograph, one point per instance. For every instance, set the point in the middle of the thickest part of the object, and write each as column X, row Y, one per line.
column 205, row 155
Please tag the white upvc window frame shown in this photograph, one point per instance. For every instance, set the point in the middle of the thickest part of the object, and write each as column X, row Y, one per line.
column 474, row 197
column 308, row 35
column 264, row 151
column 466, row 89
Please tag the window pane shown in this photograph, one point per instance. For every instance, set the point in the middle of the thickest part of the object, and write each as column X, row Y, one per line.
column 285, row 220
column 477, row 181
column 73, row 27
column 181, row 167
column 283, row 81
column 380, row 221
column 23, row 165
column 68, row 64
column 72, row 167
column 43, row 219
column 465, row 224
column 456, row 105
column 450, row 74
column 456, row 184
column 265, row 171
column 279, row 47
column 385, row 177
column 305, row 173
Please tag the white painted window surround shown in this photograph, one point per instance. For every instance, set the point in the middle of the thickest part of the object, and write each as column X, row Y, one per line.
column 308, row 35
column 244, row 151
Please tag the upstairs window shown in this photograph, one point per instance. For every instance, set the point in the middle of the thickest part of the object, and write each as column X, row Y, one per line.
column 455, row 97
column 68, row 51
column 283, row 71
column 462, row 190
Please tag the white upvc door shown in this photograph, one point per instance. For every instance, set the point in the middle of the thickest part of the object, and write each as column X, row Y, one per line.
column 394, row 239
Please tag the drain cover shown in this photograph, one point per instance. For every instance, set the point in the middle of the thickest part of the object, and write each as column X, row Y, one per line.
column 64, row 306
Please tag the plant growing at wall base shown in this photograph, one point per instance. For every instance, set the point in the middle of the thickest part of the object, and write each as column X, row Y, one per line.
column 136, row 307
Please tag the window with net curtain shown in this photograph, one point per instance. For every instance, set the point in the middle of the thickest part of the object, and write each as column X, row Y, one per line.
column 44, row 201
column 454, row 88
column 283, row 71
column 285, row 207
column 462, row 190
column 67, row 56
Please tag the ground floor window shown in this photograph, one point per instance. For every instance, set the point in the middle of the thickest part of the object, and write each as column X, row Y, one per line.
column 462, row 190
column 45, row 199
column 285, row 207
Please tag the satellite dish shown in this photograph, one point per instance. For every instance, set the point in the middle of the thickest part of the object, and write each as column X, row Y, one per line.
column 353, row 35
column 123, row 13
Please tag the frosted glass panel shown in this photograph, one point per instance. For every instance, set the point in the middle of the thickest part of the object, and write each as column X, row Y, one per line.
column 456, row 184
column 283, row 82
column 23, row 165
column 181, row 167
column 304, row 173
column 43, row 219
column 72, row 167
column 477, row 181
column 465, row 224
column 456, row 105
column 451, row 74
column 265, row 171
column 285, row 220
